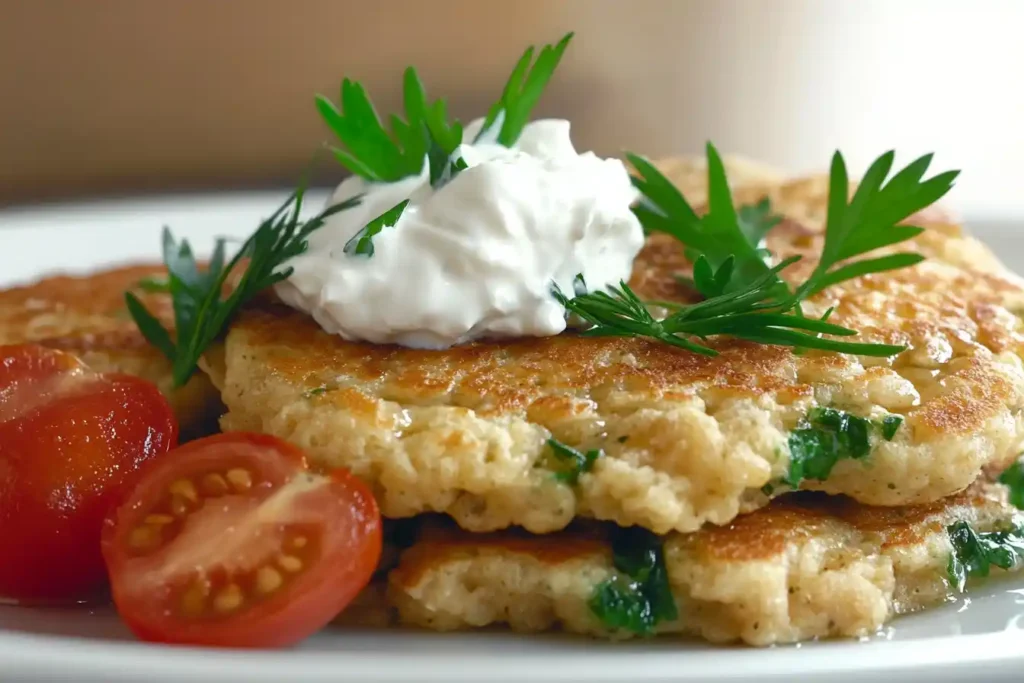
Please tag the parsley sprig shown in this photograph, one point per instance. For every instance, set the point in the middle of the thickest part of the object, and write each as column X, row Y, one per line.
column 202, row 307
column 1013, row 478
column 745, row 296
column 572, row 462
column 638, row 597
column 381, row 155
column 719, row 235
column 522, row 91
column 361, row 243
column 826, row 436
column 974, row 554
column 871, row 219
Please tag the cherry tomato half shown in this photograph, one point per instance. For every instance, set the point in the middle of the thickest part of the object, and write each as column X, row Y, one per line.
column 232, row 541
column 71, row 441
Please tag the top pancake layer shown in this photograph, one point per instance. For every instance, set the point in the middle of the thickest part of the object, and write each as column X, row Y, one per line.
column 686, row 439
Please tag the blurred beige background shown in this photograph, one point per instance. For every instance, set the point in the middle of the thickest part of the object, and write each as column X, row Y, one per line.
column 115, row 96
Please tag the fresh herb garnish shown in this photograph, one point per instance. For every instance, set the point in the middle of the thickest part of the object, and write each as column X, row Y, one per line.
column 579, row 285
column 639, row 597
column 378, row 155
column 361, row 243
column 575, row 462
column 317, row 391
column 455, row 167
column 745, row 297
column 750, row 313
column 974, row 554
column 871, row 219
column 202, row 310
column 522, row 91
column 1013, row 478
column 756, row 220
column 890, row 425
column 826, row 436
column 718, row 236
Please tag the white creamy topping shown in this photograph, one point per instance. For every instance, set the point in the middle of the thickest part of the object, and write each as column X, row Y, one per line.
column 476, row 257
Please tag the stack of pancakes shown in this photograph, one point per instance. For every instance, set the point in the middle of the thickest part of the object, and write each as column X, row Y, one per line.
column 693, row 449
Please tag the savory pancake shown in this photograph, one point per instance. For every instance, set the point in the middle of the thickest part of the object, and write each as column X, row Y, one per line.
column 87, row 316
column 807, row 566
column 684, row 439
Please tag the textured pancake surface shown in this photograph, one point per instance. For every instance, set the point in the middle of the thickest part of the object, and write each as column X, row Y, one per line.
column 86, row 315
column 807, row 566
column 686, row 439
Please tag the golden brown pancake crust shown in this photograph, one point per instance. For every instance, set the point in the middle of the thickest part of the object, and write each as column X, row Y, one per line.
column 687, row 439
column 807, row 566
column 86, row 315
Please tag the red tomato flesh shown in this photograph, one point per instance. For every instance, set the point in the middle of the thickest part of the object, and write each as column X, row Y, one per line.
column 231, row 541
column 71, row 441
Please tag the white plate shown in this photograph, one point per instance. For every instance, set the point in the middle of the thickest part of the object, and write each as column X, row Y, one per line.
column 981, row 638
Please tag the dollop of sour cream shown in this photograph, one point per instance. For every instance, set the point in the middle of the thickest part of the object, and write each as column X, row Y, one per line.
column 476, row 257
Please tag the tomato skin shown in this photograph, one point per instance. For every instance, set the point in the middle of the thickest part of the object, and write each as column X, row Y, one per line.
column 71, row 442
column 148, row 586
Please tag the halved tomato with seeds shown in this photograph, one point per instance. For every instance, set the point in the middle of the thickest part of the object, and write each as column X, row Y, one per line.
column 71, row 441
column 232, row 541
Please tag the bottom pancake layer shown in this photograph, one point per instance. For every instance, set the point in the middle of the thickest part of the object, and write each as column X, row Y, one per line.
column 808, row 566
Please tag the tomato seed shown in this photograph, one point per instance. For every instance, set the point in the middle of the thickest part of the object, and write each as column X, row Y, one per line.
column 186, row 489
column 214, row 485
column 158, row 520
column 144, row 537
column 268, row 580
column 240, row 479
column 289, row 563
column 179, row 506
column 299, row 542
column 193, row 602
column 228, row 599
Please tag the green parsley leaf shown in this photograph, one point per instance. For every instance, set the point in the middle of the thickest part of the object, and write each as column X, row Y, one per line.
column 756, row 220
column 522, row 91
column 378, row 155
column 719, row 236
column 1013, row 478
column 361, row 243
column 871, row 219
column 827, row 436
column 318, row 391
column 579, row 285
column 455, row 167
column 974, row 554
column 576, row 462
column 891, row 425
column 202, row 311
column 745, row 297
column 639, row 597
